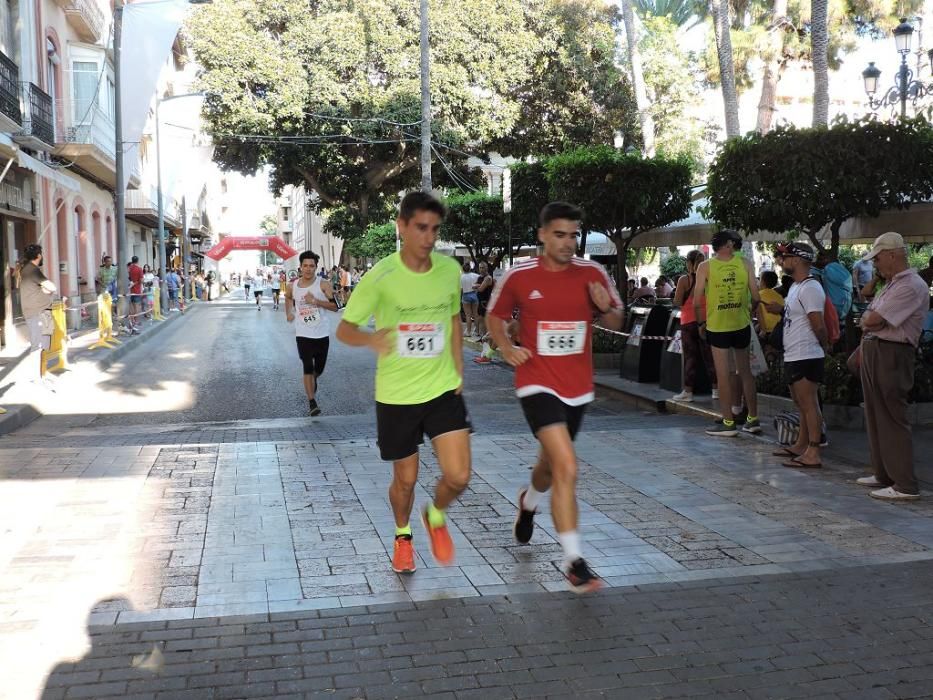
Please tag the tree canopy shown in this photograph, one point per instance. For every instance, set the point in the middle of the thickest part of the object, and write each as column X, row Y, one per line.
column 803, row 180
column 327, row 92
column 622, row 195
column 377, row 242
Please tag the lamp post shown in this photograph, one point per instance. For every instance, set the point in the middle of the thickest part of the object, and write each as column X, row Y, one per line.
column 905, row 86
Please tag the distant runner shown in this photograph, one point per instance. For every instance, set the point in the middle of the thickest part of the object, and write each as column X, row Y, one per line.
column 557, row 296
column 247, row 283
column 257, row 290
column 415, row 297
column 305, row 300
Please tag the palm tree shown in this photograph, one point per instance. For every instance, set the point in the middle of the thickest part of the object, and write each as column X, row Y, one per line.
column 645, row 117
column 774, row 65
column 819, row 49
column 683, row 13
column 721, row 26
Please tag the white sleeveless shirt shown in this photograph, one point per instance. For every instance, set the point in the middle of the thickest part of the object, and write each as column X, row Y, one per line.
column 310, row 321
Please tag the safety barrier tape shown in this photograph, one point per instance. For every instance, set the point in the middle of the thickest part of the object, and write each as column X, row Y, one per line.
column 629, row 335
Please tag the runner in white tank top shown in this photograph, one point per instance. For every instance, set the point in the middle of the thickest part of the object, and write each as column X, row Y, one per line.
column 307, row 301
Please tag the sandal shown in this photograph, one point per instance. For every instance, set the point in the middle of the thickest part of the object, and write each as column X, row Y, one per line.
column 795, row 463
column 784, row 452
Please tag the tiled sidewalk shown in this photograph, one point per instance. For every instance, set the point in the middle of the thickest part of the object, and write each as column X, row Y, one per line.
column 206, row 531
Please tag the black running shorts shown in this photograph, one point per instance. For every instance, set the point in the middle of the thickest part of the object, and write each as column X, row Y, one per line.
column 811, row 370
column 542, row 410
column 739, row 340
column 313, row 354
column 401, row 427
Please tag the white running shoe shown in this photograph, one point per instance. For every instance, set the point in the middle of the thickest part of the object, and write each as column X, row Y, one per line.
column 683, row 396
column 891, row 494
column 869, row 481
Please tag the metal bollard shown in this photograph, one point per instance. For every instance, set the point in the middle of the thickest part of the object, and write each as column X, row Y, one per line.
column 58, row 347
column 105, row 322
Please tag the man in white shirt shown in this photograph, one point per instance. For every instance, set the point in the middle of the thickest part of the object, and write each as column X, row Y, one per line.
column 805, row 344
column 257, row 290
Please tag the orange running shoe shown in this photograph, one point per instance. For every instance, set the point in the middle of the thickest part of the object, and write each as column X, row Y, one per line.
column 403, row 559
column 442, row 547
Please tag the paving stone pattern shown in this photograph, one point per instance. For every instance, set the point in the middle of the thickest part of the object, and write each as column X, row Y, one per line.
column 857, row 633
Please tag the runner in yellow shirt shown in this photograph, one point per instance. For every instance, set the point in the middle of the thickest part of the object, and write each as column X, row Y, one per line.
column 415, row 298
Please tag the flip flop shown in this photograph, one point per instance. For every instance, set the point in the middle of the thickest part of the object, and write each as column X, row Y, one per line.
column 797, row 464
column 784, row 452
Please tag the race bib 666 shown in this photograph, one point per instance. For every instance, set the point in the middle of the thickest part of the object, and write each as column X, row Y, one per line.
column 561, row 337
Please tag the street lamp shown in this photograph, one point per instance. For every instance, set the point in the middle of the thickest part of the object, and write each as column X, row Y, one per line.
column 905, row 87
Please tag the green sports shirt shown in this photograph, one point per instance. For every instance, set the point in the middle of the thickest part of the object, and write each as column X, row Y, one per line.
column 418, row 307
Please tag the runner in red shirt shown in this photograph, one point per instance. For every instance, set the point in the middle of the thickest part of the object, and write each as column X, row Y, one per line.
column 557, row 296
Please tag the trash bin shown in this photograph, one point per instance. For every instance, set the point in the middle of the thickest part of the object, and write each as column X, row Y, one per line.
column 672, row 362
column 641, row 359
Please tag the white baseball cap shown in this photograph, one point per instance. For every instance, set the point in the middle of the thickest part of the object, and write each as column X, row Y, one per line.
column 886, row 241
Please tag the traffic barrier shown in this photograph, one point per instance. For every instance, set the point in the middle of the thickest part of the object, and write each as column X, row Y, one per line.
column 157, row 306
column 105, row 323
column 58, row 347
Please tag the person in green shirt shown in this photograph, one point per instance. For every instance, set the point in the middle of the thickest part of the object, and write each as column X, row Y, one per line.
column 727, row 282
column 415, row 298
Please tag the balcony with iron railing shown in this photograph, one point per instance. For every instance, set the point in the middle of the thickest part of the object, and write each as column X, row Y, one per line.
column 90, row 144
column 38, row 119
column 10, row 115
column 86, row 17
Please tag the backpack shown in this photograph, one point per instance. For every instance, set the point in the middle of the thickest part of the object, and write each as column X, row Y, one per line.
column 830, row 321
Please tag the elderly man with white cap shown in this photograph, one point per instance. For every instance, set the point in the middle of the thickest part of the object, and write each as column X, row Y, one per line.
column 891, row 327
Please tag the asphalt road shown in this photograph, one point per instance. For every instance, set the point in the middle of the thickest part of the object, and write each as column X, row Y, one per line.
column 238, row 363
column 230, row 362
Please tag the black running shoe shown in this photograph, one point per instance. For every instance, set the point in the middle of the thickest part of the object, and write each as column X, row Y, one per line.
column 313, row 408
column 581, row 579
column 524, row 521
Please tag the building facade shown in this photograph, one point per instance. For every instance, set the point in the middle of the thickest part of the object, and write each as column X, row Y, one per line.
column 304, row 227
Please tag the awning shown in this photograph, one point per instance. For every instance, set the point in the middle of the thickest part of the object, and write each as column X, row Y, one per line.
column 41, row 169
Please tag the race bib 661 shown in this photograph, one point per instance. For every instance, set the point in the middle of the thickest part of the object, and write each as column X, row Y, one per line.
column 420, row 339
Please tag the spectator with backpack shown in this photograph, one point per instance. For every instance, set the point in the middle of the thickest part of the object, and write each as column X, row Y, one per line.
column 806, row 342
column 837, row 283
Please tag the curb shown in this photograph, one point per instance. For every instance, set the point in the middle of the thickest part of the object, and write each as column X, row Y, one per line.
column 20, row 415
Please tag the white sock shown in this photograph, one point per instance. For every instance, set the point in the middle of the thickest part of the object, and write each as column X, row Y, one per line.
column 532, row 498
column 570, row 542
column 736, row 410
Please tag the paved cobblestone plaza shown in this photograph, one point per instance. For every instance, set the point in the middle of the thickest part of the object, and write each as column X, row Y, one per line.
column 249, row 559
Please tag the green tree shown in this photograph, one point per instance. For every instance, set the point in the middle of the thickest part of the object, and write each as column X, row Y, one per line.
column 622, row 195
column 806, row 180
column 530, row 192
column 478, row 223
column 379, row 241
column 672, row 76
column 270, row 227
column 327, row 92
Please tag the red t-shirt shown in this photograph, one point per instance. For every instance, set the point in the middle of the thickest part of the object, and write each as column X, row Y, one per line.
column 136, row 279
column 555, row 316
